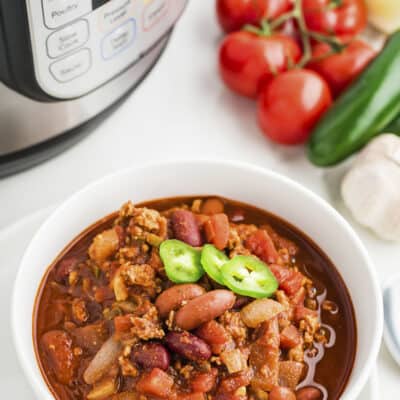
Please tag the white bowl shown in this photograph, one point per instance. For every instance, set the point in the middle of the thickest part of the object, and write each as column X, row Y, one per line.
column 247, row 183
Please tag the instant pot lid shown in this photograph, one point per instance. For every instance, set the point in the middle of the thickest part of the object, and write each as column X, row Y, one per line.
column 32, row 132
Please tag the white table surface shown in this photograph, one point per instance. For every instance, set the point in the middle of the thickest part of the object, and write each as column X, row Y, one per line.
column 182, row 111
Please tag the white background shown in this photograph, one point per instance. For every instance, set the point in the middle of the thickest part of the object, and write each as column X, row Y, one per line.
column 183, row 111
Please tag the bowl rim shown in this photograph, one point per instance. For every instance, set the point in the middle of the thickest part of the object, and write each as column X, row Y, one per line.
column 37, row 381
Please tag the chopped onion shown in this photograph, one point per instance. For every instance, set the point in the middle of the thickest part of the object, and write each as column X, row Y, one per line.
column 102, row 361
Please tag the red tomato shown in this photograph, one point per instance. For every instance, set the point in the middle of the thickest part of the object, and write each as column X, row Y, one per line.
column 289, row 281
column 261, row 244
column 155, row 383
column 234, row 14
column 247, row 61
column 340, row 69
column 290, row 106
column 204, row 381
column 332, row 16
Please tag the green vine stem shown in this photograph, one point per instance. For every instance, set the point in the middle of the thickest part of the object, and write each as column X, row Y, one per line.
column 305, row 36
column 266, row 28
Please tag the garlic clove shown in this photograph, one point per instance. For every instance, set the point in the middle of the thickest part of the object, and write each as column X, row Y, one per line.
column 371, row 190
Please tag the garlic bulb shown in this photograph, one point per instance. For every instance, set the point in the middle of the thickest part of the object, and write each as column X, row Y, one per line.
column 384, row 14
column 371, row 189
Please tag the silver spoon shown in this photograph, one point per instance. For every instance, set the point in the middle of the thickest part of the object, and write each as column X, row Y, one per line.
column 391, row 301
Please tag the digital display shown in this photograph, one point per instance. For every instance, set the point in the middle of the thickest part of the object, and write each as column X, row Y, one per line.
column 99, row 3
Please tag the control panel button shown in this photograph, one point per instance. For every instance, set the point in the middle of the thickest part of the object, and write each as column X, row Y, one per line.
column 114, row 14
column 154, row 12
column 119, row 39
column 68, row 39
column 61, row 12
column 72, row 67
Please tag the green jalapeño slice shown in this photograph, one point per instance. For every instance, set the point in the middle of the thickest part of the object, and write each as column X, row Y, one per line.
column 212, row 260
column 249, row 276
column 181, row 261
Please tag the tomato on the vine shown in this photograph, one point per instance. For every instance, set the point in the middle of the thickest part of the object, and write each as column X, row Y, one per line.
column 340, row 69
column 340, row 17
column 247, row 61
column 234, row 14
column 291, row 104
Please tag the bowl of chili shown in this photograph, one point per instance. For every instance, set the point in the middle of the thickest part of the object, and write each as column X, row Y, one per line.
column 208, row 273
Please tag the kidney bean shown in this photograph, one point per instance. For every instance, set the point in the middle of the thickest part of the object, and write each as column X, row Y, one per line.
column 204, row 308
column 64, row 268
column 216, row 230
column 151, row 355
column 188, row 346
column 185, row 227
column 281, row 393
column 308, row 393
column 242, row 301
column 173, row 297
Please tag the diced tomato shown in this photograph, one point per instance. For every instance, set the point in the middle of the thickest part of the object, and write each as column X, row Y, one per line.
column 191, row 396
column 214, row 334
column 204, row 382
column 155, row 383
column 103, row 293
column 229, row 396
column 57, row 345
column 217, row 230
column 290, row 337
column 290, row 281
column 234, row 381
column 301, row 312
column 298, row 298
column 281, row 273
column 293, row 283
column 122, row 324
column 261, row 244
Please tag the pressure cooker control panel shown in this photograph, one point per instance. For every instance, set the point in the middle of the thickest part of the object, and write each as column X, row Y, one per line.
column 78, row 45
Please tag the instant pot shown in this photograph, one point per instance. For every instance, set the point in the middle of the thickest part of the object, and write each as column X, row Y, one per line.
column 64, row 63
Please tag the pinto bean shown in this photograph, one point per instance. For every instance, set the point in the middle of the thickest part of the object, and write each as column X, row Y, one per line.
column 204, row 308
column 308, row 393
column 151, row 355
column 281, row 393
column 185, row 227
column 188, row 346
column 173, row 297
